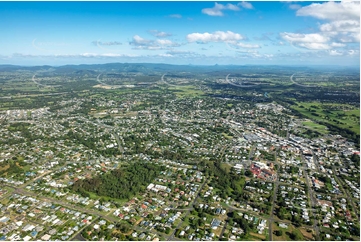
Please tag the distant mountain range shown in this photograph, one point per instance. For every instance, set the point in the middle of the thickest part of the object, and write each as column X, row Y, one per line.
column 161, row 68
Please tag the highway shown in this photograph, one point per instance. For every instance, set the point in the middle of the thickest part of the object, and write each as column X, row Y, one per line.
column 301, row 85
column 240, row 85
column 37, row 83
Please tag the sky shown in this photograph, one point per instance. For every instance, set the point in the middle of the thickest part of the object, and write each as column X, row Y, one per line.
column 197, row 33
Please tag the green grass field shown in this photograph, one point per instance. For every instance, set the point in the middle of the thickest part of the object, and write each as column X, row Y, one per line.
column 342, row 116
column 182, row 91
column 315, row 127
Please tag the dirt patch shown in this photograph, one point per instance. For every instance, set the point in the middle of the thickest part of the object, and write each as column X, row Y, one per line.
column 4, row 168
column 76, row 156
column 139, row 220
column 260, row 236
column 119, row 232
column 102, row 86
column 306, row 235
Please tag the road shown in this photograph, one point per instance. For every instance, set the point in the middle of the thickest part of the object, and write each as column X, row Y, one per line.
column 312, row 198
column 315, row 161
column 349, row 198
column 274, row 198
column 223, row 229
column 171, row 237
column 77, row 236
column 110, row 130
column 162, row 79
column 37, row 83
column 240, row 85
column 251, row 151
column 301, row 85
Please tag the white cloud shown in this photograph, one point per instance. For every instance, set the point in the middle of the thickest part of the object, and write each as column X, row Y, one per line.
column 164, row 55
column 347, row 37
column 340, row 29
column 246, row 5
column 247, row 46
column 344, row 10
column 166, row 42
column 335, row 53
column 217, row 9
column 218, row 36
column 309, row 41
column 145, row 44
column 137, row 40
column 314, row 46
column 341, row 26
column 304, row 38
column 353, row 52
column 334, row 44
column 343, row 17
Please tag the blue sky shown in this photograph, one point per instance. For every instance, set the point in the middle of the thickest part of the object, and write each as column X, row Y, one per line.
column 199, row 33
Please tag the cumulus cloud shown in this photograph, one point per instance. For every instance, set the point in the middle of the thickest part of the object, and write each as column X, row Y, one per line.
column 218, row 8
column 344, row 10
column 166, row 42
column 137, row 40
column 159, row 34
column 308, row 38
column 245, row 5
column 341, row 26
column 314, row 46
column 145, row 44
column 218, row 36
column 309, row 41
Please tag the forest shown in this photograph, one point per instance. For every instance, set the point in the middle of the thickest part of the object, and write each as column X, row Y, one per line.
column 229, row 184
column 121, row 183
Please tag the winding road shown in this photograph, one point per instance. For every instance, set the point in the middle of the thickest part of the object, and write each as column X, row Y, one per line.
column 301, row 85
column 43, row 85
column 241, row 85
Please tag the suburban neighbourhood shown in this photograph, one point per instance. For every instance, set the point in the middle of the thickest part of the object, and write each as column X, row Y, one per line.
column 283, row 183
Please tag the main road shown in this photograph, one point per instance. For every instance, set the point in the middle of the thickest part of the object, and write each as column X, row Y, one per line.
column 312, row 198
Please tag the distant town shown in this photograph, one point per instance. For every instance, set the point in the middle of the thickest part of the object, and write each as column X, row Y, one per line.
column 158, row 152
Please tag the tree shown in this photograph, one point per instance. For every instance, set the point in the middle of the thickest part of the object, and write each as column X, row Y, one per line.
column 296, row 236
column 248, row 173
column 278, row 232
